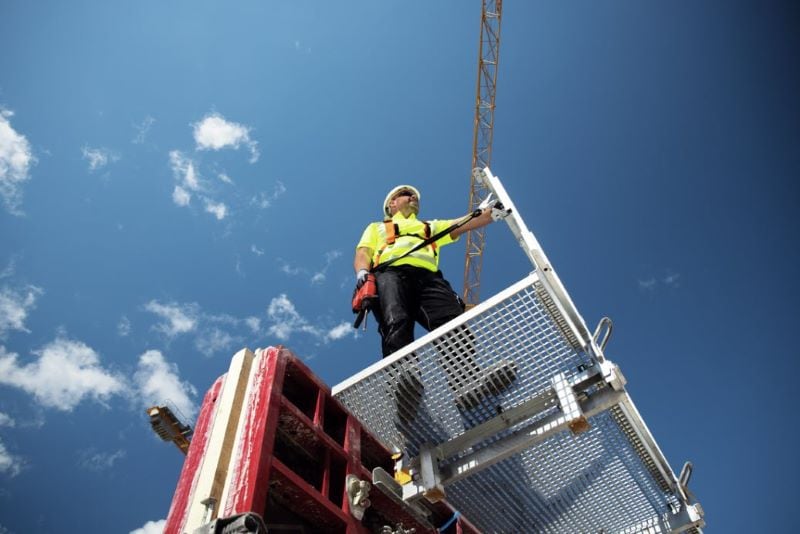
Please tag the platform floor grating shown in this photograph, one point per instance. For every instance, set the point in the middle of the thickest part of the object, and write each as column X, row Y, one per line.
column 597, row 481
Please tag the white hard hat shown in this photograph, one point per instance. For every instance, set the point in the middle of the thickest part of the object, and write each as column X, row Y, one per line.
column 393, row 192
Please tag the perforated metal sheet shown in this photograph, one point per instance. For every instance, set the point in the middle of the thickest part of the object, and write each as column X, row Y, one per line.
column 513, row 344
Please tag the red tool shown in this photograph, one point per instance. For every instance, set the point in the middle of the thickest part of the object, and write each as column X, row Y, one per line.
column 365, row 298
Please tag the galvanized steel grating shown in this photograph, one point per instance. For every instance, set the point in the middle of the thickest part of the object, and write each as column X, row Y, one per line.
column 500, row 354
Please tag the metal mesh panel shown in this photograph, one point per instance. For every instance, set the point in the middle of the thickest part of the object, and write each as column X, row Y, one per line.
column 492, row 358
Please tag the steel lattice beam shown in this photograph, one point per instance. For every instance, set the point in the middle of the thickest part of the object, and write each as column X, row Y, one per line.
column 488, row 55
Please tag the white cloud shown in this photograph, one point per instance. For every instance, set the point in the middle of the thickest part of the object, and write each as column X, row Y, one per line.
column 225, row 178
column 158, row 381
column 6, row 420
column 10, row 464
column 255, row 250
column 219, row 210
column 216, row 133
column 66, row 373
column 179, row 319
column 672, row 280
column 143, row 129
column 15, row 306
column 181, row 196
column 16, row 158
column 151, row 527
column 94, row 460
column 340, row 331
column 98, row 157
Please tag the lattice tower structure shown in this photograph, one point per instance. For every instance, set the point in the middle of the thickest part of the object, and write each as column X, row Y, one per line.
column 488, row 55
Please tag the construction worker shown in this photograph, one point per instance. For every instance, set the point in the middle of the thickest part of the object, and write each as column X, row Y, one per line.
column 412, row 289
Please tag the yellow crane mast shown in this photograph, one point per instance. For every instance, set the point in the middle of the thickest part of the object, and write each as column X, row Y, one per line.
column 488, row 54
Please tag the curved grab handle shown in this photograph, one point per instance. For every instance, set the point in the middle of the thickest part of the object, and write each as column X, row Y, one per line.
column 609, row 326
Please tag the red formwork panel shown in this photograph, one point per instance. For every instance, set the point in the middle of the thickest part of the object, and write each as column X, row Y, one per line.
column 296, row 445
column 194, row 457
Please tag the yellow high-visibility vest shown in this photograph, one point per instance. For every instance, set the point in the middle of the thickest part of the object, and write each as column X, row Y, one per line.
column 409, row 233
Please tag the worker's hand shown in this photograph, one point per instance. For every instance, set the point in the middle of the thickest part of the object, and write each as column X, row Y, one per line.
column 361, row 277
column 499, row 211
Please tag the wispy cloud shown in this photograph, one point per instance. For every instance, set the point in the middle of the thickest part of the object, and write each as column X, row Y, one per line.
column 213, row 132
column 648, row 284
column 7, row 420
column 670, row 280
column 65, row 373
column 158, row 381
column 212, row 333
column 178, row 318
column 181, row 196
column 289, row 269
column 10, row 464
column 99, row 157
column 190, row 183
column 186, row 176
column 343, row 329
column 255, row 250
column 265, row 200
column 124, row 327
column 218, row 209
column 320, row 276
column 16, row 159
column 151, row 527
column 254, row 324
column 93, row 460
column 214, row 340
column 301, row 47
column 142, row 130
column 15, row 304
column 316, row 277
column 285, row 321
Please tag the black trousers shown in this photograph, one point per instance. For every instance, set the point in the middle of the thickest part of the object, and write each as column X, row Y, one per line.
column 409, row 295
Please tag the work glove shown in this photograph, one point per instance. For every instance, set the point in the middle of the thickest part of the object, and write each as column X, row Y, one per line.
column 361, row 277
column 498, row 210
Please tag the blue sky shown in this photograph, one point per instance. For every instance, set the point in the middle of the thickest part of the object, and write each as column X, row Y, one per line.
column 179, row 180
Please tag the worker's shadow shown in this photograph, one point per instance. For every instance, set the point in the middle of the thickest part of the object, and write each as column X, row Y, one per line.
column 477, row 393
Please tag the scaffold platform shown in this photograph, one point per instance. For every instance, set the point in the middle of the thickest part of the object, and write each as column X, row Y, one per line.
column 514, row 415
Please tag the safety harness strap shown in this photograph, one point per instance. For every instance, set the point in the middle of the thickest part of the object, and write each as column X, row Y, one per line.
column 428, row 241
column 393, row 232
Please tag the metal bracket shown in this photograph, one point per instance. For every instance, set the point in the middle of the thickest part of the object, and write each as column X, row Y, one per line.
column 574, row 402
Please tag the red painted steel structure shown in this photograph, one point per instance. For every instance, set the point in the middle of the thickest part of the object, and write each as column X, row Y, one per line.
column 296, row 446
